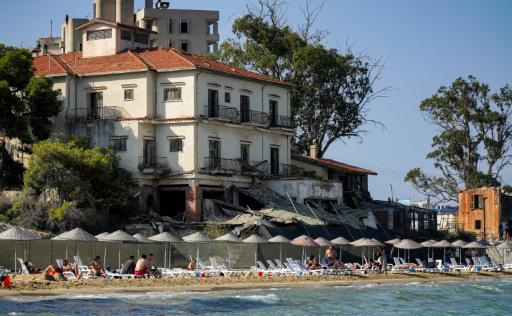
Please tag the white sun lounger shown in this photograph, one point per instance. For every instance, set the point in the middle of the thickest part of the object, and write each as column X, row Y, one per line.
column 280, row 271
column 24, row 269
column 457, row 267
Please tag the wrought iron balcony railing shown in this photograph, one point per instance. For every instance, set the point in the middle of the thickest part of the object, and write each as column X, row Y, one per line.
column 286, row 170
column 223, row 112
column 100, row 113
column 281, row 121
column 153, row 164
column 253, row 167
column 221, row 165
column 259, row 117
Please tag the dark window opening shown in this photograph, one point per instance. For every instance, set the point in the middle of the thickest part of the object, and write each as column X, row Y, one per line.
column 119, row 143
column 478, row 224
column 213, row 103
column 184, row 46
column 274, row 161
column 477, row 201
column 175, row 144
column 173, row 203
column 273, row 112
column 244, row 108
column 245, row 200
column 227, row 97
column 141, row 38
column 244, row 152
column 99, row 34
column 184, row 26
column 126, row 35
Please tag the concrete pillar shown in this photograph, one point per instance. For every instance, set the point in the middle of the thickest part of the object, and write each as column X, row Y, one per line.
column 99, row 9
column 194, row 203
column 119, row 11
column 148, row 4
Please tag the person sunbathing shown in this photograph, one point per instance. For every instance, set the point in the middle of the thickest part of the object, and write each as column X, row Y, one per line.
column 129, row 266
column 192, row 265
column 30, row 267
column 97, row 267
column 53, row 273
column 311, row 263
column 330, row 254
column 140, row 266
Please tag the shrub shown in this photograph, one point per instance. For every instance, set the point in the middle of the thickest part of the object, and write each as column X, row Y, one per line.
column 58, row 213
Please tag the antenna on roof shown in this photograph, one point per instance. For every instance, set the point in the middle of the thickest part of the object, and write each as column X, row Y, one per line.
column 51, row 28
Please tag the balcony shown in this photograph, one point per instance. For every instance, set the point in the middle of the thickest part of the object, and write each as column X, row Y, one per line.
column 285, row 170
column 153, row 165
column 100, row 113
column 222, row 112
column 282, row 122
column 259, row 117
column 254, row 168
column 215, row 165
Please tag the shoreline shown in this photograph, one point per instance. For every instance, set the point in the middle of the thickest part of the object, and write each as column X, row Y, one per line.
column 88, row 287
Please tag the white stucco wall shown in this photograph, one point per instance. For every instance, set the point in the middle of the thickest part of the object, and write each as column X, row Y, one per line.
column 180, row 108
column 179, row 162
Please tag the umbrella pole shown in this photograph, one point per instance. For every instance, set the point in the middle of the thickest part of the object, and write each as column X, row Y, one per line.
column 280, row 251
column 229, row 258
column 119, row 258
column 15, row 259
column 66, row 250
column 170, row 256
column 165, row 256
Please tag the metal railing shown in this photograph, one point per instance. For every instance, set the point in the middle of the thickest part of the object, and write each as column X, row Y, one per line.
column 282, row 121
column 153, row 163
column 100, row 113
column 259, row 117
column 286, row 170
column 221, row 165
column 254, row 167
column 224, row 112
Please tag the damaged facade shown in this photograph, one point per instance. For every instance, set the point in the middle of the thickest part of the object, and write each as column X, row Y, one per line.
column 487, row 212
column 206, row 142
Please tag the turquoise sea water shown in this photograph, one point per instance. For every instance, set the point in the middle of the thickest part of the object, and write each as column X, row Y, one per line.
column 489, row 297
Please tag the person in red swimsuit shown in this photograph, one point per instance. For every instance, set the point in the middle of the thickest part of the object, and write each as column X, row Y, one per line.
column 141, row 267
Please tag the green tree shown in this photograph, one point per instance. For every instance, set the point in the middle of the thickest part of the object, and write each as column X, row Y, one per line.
column 27, row 103
column 474, row 143
column 75, row 172
column 331, row 91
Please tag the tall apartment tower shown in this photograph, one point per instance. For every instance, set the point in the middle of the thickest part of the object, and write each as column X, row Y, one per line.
column 194, row 31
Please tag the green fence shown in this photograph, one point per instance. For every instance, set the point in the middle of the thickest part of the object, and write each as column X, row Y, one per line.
column 234, row 255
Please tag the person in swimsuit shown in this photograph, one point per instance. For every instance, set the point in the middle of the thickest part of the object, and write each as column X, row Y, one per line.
column 311, row 263
column 331, row 254
column 97, row 267
column 140, row 266
column 192, row 265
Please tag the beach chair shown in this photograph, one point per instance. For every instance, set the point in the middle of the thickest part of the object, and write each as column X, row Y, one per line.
column 477, row 265
column 114, row 275
column 24, row 269
column 304, row 269
column 278, row 270
column 398, row 267
column 216, row 268
column 280, row 264
column 469, row 264
column 263, row 269
column 176, row 273
column 486, row 265
column 454, row 266
column 60, row 263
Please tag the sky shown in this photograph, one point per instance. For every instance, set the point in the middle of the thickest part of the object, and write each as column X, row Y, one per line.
column 422, row 44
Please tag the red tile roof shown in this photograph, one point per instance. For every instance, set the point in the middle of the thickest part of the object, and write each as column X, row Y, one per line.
column 160, row 59
column 333, row 164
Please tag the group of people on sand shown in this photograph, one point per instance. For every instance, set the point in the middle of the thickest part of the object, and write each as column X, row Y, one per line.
column 329, row 261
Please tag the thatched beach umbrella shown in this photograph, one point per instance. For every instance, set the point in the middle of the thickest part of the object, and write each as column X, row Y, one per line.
column 408, row 244
column 229, row 238
column 443, row 244
column 459, row 244
column 15, row 234
column 340, row 241
column 304, row 241
column 366, row 243
column 476, row 245
column 393, row 242
column 505, row 246
column 167, row 238
column 429, row 244
column 119, row 236
column 322, row 242
column 75, row 235
column 198, row 237
column 102, row 235
column 255, row 239
column 141, row 239
column 280, row 240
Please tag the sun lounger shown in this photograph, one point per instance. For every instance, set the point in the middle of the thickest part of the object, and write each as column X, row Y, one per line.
column 114, row 275
column 217, row 268
column 278, row 270
column 261, row 268
column 398, row 267
column 486, row 265
column 477, row 265
column 176, row 273
column 454, row 266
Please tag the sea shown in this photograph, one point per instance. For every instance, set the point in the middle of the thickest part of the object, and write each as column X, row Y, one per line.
column 483, row 297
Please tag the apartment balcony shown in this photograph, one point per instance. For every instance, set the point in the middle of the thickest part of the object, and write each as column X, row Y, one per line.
column 224, row 113
column 100, row 113
column 215, row 165
column 153, row 165
column 281, row 122
column 286, row 170
column 254, row 168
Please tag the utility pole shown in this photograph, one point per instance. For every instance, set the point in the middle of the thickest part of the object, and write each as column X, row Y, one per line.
column 51, row 28
column 392, row 195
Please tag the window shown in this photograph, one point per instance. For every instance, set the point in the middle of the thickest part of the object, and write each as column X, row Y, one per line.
column 274, row 161
column 227, row 97
column 172, row 94
column 99, row 34
column 244, row 152
column 477, row 201
column 126, row 35
column 171, row 28
column 244, row 108
column 478, row 224
column 272, row 107
column 214, row 149
column 184, row 26
column 128, row 94
column 175, row 145
column 119, row 143
column 141, row 38
column 170, row 44
column 149, row 24
column 184, row 46
column 213, row 47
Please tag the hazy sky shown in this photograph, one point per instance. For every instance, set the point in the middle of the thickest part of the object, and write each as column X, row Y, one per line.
column 424, row 44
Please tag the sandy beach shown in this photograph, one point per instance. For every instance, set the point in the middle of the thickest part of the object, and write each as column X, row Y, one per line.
column 35, row 285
